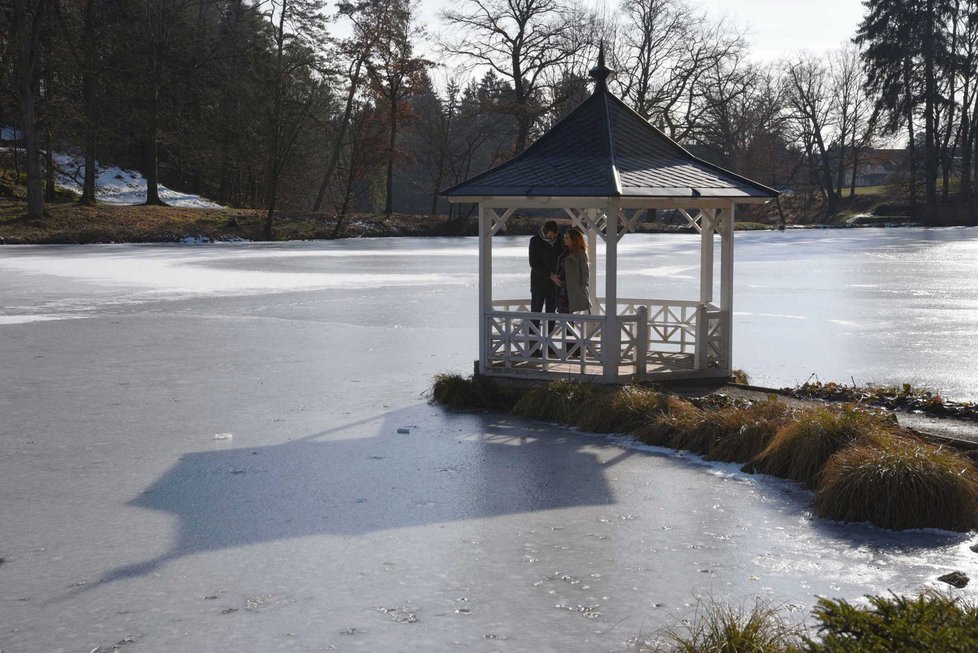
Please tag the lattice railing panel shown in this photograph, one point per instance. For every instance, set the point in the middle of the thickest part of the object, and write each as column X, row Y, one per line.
column 654, row 331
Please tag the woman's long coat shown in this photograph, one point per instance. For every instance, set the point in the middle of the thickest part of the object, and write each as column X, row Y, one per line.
column 578, row 275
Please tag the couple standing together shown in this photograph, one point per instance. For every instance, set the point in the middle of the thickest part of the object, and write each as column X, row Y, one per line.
column 560, row 275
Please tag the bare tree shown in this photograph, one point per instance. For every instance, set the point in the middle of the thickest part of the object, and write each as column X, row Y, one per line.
column 394, row 73
column 744, row 128
column 852, row 109
column 809, row 96
column 300, row 26
column 358, row 48
column 521, row 40
column 665, row 53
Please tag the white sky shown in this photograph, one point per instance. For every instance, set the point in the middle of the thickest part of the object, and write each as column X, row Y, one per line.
column 775, row 27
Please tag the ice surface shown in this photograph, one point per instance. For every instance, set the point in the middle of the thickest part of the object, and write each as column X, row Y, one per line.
column 320, row 526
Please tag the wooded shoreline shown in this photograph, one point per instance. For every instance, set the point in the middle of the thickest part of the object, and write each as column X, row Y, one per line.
column 72, row 223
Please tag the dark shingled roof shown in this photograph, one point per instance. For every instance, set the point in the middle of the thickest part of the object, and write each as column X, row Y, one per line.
column 605, row 149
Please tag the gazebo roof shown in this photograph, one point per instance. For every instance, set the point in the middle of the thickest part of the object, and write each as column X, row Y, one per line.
column 605, row 149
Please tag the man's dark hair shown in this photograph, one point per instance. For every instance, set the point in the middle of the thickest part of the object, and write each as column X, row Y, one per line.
column 550, row 225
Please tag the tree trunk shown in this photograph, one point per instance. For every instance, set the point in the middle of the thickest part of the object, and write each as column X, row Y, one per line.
column 152, row 172
column 334, row 158
column 276, row 127
column 826, row 165
column 88, row 97
column 965, row 189
column 26, row 33
column 50, row 190
column 389, row 204
column 855, row 167
column 911, row 140
column 35, row 189
column 930, row 126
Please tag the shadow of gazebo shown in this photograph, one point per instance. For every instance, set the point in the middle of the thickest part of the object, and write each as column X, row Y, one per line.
column 322, row 485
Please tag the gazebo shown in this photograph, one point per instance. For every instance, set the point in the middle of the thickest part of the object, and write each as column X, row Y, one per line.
column 604, row 166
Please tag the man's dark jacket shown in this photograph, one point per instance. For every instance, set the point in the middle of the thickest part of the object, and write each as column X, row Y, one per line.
column 543, row 262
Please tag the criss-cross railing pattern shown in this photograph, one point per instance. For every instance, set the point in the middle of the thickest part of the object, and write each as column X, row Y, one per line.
column 657, row 336
column 542, row 341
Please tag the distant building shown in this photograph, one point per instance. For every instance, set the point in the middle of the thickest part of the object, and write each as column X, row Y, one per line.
column 877, row 167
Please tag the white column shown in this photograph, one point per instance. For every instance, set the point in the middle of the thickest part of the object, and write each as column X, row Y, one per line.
column 592, row 249
column 707, row 221
column 611, row 337
column 485, row 286
column 726, row 283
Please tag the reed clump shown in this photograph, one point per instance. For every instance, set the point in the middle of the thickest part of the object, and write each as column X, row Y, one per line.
column 624, row 409
column 720, row 628
column 558, row 401
column 467, row 393
column 898, row 483
column 800, row 448
column 749, row 429
column 662, row 429
column 930, row 621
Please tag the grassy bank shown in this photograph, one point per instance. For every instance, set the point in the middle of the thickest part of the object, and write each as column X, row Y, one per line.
column 861, row 465
column 931, row 621
column 68, row 222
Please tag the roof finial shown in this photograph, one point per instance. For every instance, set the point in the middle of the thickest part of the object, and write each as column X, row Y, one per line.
column 601, row 72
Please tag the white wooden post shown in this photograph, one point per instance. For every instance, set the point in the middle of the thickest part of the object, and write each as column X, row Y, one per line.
column 707, row 221
column 611, row 335
column 485, row 286
column 592, row 250
column 642, row 342
column 726, row 284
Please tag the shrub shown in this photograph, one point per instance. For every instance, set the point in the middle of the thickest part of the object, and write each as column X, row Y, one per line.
column 800, row 449
column 460, row 393
column 661, row 428
column 698, row 433
column 622, row 410
column 900, row 483
column 558, row 401
column 748, row 430
column 719, row 628
column 740, row 376
column 929, row 622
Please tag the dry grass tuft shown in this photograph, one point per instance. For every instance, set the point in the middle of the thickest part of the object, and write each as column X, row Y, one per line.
column 749, row 429
column 701, row 432
column 623, row 410
column 800, row 449
column 461, row 393
column 558, row 401
column 661, row 428
column 900, row 483
column 720, row 628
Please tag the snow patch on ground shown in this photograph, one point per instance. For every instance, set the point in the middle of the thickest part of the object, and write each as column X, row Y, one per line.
column 113, row 185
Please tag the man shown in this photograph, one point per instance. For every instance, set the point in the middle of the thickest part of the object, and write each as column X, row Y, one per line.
column 545, row 249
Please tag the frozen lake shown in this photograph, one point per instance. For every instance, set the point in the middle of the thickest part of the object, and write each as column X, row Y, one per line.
column 201, row 448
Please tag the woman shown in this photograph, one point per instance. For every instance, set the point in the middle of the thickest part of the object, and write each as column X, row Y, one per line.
column 573, row 276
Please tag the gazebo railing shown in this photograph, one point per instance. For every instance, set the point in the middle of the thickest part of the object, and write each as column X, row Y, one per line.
column 657, row 335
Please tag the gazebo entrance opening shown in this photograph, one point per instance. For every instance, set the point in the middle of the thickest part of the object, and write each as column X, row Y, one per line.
column 642, row 338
